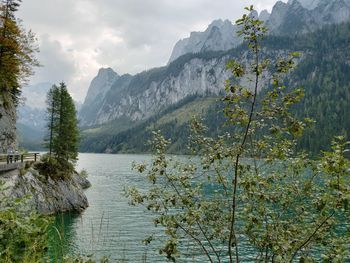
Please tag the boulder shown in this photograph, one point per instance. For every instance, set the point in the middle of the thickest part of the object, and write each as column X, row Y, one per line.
column 45, row 194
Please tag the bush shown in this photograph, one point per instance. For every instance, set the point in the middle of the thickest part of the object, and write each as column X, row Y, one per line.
column 250, row 190
column 23, row 235
column 54, row 168
column 83, row 173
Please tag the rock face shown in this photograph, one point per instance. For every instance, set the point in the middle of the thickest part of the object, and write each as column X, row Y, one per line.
column 99, row 86
column 32, row 112
column 46, row 195
column 220, row 35
column 7, row 128
column 198, row 76
column 197, row 66
column 295, row 16
column 305, row 16
column 148, row 93
column 139, row 97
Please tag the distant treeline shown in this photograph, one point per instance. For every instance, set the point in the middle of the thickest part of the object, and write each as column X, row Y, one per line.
column 323, row 72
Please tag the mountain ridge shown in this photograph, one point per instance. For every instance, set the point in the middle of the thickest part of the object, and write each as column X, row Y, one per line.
column 321, row 48
column 128, row 100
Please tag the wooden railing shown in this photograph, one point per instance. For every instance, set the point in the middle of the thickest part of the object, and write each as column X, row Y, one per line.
column 9, row 162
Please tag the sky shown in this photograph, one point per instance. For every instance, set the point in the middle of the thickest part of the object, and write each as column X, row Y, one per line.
column 77, row 37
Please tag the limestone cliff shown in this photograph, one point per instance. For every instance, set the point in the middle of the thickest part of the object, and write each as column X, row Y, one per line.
column 197, row 65
column 7, row 128
column 46, row 195
column 220, row 35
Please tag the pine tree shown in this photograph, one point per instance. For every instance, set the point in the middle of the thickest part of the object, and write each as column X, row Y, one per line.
column 68, row 133
column 63, row 134
column 52, row 117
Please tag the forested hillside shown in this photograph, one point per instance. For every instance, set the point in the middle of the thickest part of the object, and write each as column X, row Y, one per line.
column 323, row 72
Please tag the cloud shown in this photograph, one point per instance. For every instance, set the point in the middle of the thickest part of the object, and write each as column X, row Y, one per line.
column 56, row 62
column 78, row 37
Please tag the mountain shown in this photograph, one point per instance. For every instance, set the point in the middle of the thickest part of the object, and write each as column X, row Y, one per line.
column 135, row 104
column 32, row 111
column 310, row 4
column 31, row 116
column 296, row 17
column 135, row 98
column 101, row 84
column 220, row 35
column 323, row 71
column 143, row 95
column 286, row 18
column 98, row 88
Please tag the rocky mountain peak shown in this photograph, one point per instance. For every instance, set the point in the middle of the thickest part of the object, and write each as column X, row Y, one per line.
column 291, row 18
column 106, row 72
column 295, row 4
column 138, row 97
column 264, row 15
column 219, row 23
column 220, row 35
column 101, row 84
column 254, row 14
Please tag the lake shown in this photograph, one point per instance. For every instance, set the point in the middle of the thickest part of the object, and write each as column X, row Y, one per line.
column 109, row 226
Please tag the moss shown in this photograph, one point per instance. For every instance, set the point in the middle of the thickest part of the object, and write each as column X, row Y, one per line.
column 22, row 171
column 54, row 168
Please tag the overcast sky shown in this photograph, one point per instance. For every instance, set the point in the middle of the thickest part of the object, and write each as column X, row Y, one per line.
column 77, row 37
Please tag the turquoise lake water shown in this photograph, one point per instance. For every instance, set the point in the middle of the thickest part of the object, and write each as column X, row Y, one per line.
column 109, row 226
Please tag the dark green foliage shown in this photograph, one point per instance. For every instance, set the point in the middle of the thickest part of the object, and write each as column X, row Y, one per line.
column 63, row 134
column 136, row 138
column 249, row 195
column 323, row 72
column 23, row 236
column 54, row 167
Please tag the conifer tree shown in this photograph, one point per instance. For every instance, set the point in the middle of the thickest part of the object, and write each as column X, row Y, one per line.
column 52, row 116
column 68, row 133
column 63, row 133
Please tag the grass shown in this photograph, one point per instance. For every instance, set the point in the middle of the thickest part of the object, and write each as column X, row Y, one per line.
column 184, row 114
column 110, row 128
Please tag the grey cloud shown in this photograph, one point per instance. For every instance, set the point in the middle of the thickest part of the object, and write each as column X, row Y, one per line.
column 56, row 63
column 74, row 44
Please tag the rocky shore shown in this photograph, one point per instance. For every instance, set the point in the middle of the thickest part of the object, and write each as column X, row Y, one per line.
column 44, row 194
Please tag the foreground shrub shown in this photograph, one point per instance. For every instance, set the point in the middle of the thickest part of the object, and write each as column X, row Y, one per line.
column 249, row 195
column 23, row 233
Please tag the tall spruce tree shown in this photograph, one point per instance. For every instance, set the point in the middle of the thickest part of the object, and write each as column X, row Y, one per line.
column 68, row 133
column 52, row 117
column 63, row 133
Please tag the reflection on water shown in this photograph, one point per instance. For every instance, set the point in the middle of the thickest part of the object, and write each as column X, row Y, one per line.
column 62, row 235
column 109, row 226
